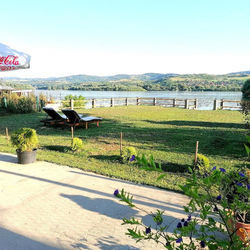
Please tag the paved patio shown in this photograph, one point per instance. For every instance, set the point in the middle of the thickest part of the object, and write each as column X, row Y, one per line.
column 46, row 206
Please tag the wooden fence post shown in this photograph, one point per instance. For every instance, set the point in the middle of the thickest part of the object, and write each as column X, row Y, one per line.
column 93, row 103
column 154, row 101
column 196, row 104
column 174, row 102
column 196, row 151
column 72, row 132
column 126, row 101
column 221, row 103
column 138, row 101
column 71, row 104
column 112, row 102
column 7, row 134
column 186, row 103
column 215, row 104
column 121, row 144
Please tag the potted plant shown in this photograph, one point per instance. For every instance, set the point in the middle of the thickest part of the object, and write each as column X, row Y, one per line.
column 25, row 140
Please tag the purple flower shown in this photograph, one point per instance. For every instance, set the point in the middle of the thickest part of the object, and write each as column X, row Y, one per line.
column 214, row 168
column 185, row 224
column 179, row 225
column 116, row 192
column 148, row 230
column 189, row 218
column 239, row 184
column 241, row 174
column 182, row 220
column 223, row 170
column 218, row 198
column 132, row 158
column 248, row 186
column 179, row 240
column 202, row 244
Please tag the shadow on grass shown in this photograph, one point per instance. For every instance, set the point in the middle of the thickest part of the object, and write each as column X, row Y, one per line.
column 112, row 158
column 174, row 167
column 199, row 124
column 58, row 148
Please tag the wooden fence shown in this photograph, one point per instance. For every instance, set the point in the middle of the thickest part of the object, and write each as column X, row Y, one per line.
column 125, row 101
column 153, row 101
column 226, row 104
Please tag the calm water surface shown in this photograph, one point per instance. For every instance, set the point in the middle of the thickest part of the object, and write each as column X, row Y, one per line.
column 205, row 98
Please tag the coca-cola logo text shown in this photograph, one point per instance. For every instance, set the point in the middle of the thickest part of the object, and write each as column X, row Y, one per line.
column 9, row 60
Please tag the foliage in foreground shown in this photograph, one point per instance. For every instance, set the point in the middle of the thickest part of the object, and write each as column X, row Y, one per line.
column 209, row 222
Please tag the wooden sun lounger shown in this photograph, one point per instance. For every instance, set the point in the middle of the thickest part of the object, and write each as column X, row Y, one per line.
column 53, row 117
column 74, row 119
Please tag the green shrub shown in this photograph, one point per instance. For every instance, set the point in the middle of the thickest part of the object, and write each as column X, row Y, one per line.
column 24, row 139
column 202, row 164
column 77, row 144
column 148, row 164
column 79, row 101
column 129, row 153
column 245, row 102
column 18, row 104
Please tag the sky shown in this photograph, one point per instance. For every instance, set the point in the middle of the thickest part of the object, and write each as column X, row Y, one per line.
column 108, row 37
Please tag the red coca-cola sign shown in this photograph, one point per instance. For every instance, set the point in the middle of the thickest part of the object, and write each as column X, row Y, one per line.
column 9, row 60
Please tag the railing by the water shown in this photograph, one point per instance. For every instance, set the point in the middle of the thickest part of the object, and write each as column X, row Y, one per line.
column 153, row 101
column 226, row 104
column 167, row 102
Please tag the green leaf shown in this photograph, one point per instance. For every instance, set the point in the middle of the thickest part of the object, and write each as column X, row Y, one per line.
column 160, row 177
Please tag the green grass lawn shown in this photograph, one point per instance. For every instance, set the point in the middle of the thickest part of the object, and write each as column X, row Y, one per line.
column 170, row 134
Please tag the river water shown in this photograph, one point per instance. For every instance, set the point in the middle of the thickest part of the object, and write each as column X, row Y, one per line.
column 205, row 99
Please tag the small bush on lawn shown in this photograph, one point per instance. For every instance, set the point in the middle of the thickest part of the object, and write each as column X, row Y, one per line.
column 77, row 145
column 202, row 164
column 129, row 155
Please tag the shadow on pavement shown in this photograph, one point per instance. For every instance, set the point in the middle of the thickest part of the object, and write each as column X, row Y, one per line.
column 14, row 241
column 8, row 158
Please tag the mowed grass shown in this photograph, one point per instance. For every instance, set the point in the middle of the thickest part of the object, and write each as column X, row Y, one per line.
column 169, row 134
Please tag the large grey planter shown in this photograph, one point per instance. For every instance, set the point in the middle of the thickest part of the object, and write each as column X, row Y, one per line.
column 26, row 157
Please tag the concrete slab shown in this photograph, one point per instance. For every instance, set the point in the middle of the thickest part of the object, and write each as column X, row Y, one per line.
column 46, row 206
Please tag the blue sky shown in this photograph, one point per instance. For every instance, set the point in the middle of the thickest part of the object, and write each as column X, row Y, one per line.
column 106, row 37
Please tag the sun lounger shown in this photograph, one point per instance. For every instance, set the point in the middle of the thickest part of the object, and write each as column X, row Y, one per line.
column 53, row 117
column 75, row 119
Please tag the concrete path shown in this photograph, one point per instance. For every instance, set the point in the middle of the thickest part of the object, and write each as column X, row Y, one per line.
column 46, row 206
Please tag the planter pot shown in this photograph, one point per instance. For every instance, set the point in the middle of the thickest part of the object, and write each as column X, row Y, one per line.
column 243, row 231
column 26, row 157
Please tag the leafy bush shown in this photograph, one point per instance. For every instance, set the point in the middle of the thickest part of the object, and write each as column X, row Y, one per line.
column 148, row 164
column 79, row 101
column 130, row 154
column 18, row 104
column 24, row 139
column 202, row 164
column 245, row 102
column 77, row 144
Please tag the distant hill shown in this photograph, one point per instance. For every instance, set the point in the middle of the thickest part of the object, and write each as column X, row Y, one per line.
column 240, row 73
column 140, row 82
column 90, row 78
